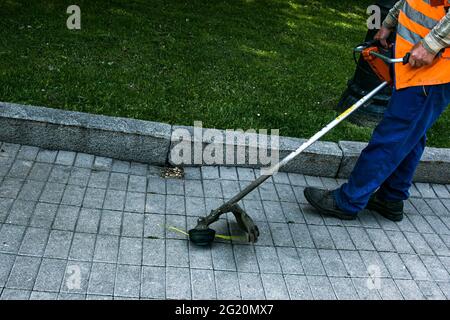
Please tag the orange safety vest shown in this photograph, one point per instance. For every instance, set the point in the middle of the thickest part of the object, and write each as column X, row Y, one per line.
column 417, row 18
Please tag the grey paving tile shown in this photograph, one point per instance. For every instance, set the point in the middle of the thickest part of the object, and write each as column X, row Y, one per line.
column 438, row 206
column 268, row 192
column 10, row 187
column 425, row 190
column 360, row 238
column 137, row 183
column 153, row 282
column 11, row 237
column 177, row 253
column 84, row 160
column 430, row 290
column 27, row 153
column 365, row 292
column 5, row 205
column 31, row 190
column 251, row 286
column 441, row 191
column 299, row 194
column 422, row 207
column 102, row 278
column 127, row 281
column 409, row 289
column 175, row 205
column 133, row 225
column 210, row 172
column 388, row 290
column 344, row 289
column 40, row 171
column 76, row 277
column 213, row 189
column 102, row 163
column 118, row 181
column 268, row 260
column 368, row 219
column 99, row 179
column 321, row 288
column 71, row 296
column 130, row 251
column 66, row 218
column 405, row 225
column 285, row 193
column 373, row 260
column 311, row 215
column 20, row 169
column 23, row 273
column 50, row 275
column 445, row 288
column 58, row 245
column 341, row 238
column 154, row 252
column 155, row 203
column 21, row 212
column 203, row 284
column 321, row 237
column 229, row 188
column 400, row 242
column 52, row 193
column 228, row 173
column 83, row 245
column 298, row 287
column 380, row 240
column 395, row 265
column 200, row 258
column 332, row 263
column 192, row 173
column 5, row 165
column 314, row 181
column 418, row 243
column 193, row 188
column 435, row 268
column 274, row 287
column 65, row 157
column 281, row 234
column 253, row 195
column 44, row 215
column 48, row 156
column 94, row 198
column 437, row 244
column 297, row 179
column 246, row 260
column 175, row 186
column 227, row 285
column 311, row 262
column 292, row 212
column 34, row 241
column 289, row 261
column 438, row 226
column 415, row 267
column 14, row 294
column 246, row 174
column 59, row 174
column 121, row 166
column 273, row 211
column 73, row 195
column 154, row 226
column 6, row 264
column 106, row 248
column 223, row 258
column 353, row 263
column 80, row 177
column 40, row 295
column 114, row 200
column 88, row 220
column 194, row 207
column 178, row 283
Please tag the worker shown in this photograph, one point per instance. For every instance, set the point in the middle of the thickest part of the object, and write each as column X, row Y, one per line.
column 383, row 174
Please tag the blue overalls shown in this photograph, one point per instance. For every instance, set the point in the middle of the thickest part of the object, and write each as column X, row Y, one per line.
column 394, row 151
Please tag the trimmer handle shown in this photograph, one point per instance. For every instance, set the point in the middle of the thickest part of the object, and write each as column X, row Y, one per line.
column 406, row 58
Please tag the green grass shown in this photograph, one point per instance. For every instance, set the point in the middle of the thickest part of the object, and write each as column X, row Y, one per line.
column 229, row 63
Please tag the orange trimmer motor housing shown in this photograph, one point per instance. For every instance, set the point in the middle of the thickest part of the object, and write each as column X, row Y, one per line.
column 379, row 67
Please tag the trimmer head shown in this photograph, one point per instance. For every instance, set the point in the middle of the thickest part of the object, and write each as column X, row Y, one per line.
column 202, row 237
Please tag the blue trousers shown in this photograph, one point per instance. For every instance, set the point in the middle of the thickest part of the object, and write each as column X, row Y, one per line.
column 389, row 161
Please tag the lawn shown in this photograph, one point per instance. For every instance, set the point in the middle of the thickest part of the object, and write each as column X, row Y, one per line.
column 229, row 63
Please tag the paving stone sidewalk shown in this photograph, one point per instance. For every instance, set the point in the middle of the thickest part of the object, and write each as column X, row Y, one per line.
column 76, row 226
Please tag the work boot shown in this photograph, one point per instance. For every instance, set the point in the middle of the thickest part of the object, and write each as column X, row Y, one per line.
column 392, row 210
column 323, row 200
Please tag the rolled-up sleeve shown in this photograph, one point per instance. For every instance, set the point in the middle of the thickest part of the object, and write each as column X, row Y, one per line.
column 439, row 37
column 391, row 19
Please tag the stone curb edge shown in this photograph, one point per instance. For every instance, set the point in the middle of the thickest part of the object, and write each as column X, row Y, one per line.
column 152, row 142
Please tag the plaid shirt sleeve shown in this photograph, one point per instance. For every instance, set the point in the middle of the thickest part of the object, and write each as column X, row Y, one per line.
column 435, row 41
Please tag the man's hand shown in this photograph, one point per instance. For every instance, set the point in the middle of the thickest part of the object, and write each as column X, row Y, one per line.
column 420, row 56
column 382, row 35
